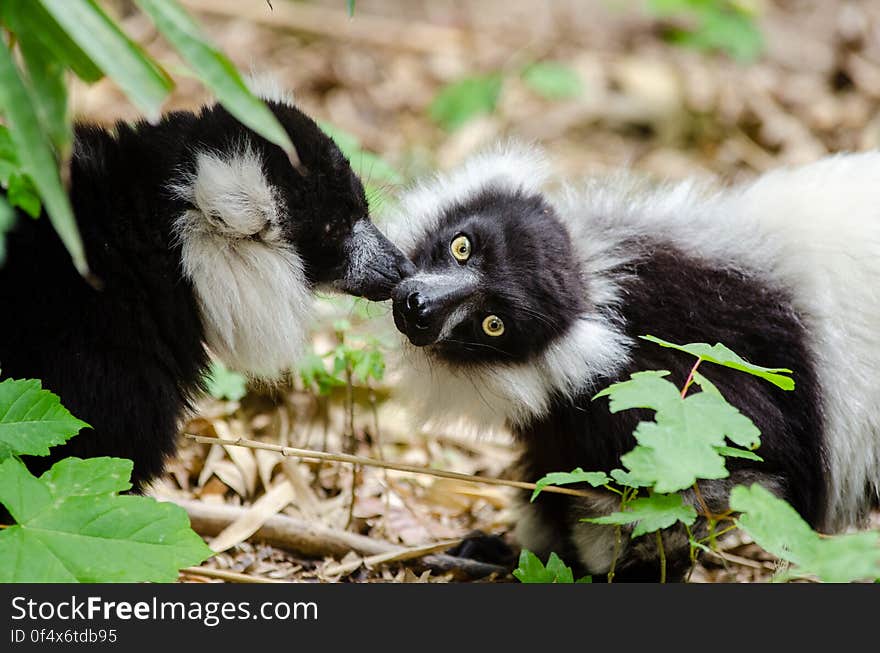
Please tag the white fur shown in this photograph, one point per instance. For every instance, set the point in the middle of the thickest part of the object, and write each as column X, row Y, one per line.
column 814, row 230
column 250, row 283
column 508, row 166
column 267, row 86
column 495, row 396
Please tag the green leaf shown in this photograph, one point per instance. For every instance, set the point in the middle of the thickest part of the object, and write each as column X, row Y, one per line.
column 720, row 25
column 844, row 558
column 643, row 390
column 368, row 165
column 773, row 523
column 459, row 102
column 652, row 513
column 47, row 80
column 721, row 355
column 733, row 452
column 32, row 419
column 622, row 477
column 553, row 80
column 76, row 477
column 22, row 193
column 30, row 19
column 532, row 570
column 560, row 571
column 577, row 475
column 779, row 529
column 72, row 527
column 683, row 442
column 731, row 32
column 669, row 462
column 366, row 363
column 224, row 383
column 350, row 4
column 9, row 163
column 140, row 78
column 214, row 69
column 36, row 157
column 7, row 219
column 314, row 375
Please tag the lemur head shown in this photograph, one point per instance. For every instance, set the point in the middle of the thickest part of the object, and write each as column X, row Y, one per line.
column 263, row 228
column 497, row 278
column 502, row 314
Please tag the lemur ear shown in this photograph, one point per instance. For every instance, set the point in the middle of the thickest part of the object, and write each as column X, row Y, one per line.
column 232, row 194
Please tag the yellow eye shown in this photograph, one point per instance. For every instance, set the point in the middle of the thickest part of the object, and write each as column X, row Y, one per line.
column 493, row 326
column 461, row 248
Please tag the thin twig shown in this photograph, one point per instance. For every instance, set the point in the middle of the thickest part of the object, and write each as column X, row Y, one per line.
column 400, row 467
column 392, row 556
column 745, row 562
column 231, row 576
column 662, row 553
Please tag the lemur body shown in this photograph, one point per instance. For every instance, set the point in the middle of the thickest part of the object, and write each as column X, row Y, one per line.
column 199, row 231
column 545, row 307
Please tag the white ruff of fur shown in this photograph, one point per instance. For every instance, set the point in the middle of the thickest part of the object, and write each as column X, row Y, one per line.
column 250, row 283
column 497, row 396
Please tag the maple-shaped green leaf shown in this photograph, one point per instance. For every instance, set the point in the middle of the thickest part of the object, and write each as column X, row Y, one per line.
column 577, row 475
column 688, row 438
column 721, row 355
column 718, row 419
column 224, row 383
column 32, row 419
column 669, row 461
column 779, row 529
column 652, row 513
column 643, row 390
column 532, row 570
column 71, row 526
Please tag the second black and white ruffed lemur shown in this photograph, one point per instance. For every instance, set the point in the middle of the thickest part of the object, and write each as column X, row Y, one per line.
column 200, row 232
column 526, row 303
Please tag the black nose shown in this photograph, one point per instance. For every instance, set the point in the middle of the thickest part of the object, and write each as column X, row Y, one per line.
column 417, row 310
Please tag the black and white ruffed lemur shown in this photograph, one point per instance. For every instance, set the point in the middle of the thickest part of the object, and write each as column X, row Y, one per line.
column 526, row 303
column 200, row 232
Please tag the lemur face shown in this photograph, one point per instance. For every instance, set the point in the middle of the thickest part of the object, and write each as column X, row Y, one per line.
column 496, row 280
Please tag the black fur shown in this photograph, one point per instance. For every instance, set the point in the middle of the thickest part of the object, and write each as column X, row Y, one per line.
column 529, row 276
column 128, row 356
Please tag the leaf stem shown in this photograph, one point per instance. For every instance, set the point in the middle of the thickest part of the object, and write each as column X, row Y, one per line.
column 662, row 553
column 690, row 379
